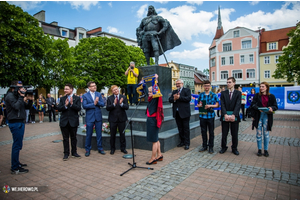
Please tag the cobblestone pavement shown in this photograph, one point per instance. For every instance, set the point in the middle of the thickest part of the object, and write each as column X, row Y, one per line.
column 159, row 183
column 182, row 175
column 31, row 138
column 273, row 140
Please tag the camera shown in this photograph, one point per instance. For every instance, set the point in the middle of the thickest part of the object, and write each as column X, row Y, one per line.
column 29, row 89
column 131, row 67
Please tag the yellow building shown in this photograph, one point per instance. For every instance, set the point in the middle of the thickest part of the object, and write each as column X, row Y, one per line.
column 271, row 46
column 175, row 72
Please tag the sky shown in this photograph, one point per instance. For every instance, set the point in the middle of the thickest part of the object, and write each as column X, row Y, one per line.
column 195, row 22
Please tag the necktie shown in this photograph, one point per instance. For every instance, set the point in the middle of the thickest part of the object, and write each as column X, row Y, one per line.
column 230, row 95
column 69, row 97
column 117, row 99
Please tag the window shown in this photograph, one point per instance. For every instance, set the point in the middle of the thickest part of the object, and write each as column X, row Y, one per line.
column 213, row 76
column 250, row 73
column 237, row 74
column 231, row 60
column 246, row 44
column 224, row 75
column 267, row 74
column 173, row 73
column 276, row 59
column 213, row 62
column 80, row 36
column 227, row 47
column 236, row 33
column 64, row 33
column 267, row 59
column 251, row 58
column 242, row 59
column 223, row 60
column 213, row 50
column 272, row 45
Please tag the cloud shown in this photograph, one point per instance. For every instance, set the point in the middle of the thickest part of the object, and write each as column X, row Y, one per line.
column 110, row 4
column 195, row 2
column 253, row 3
column 26, row 5
column 142, row 11
column 163, row 2
column 201, row 52
column 189, row 23
column 84, row 4
column 114, row 30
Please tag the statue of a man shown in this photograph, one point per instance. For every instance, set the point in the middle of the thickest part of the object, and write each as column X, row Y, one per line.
column 155, row 35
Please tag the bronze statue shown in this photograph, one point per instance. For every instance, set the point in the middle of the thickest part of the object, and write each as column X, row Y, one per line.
column 155, row 35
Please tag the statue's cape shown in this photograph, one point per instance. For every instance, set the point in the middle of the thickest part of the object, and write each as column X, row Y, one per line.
column 168, row 40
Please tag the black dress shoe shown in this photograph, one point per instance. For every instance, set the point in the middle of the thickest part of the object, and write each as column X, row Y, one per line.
column 150, row 163
column 211, row 150
column 180, row 145
column 124, row 151
column 186, row 147
column 235, row 152
column 203, row 149
column 223, row 150
column 112, row 152
column 87, row 154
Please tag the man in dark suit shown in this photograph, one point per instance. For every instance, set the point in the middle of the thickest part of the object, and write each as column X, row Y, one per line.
column 230, row 102
column 92, row 101
column 181, row 112
column 51, row 107
column 116, row 105
column 69, row 106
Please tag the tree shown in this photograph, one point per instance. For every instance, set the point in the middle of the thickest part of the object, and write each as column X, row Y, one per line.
column 58, row 65
column 136, row 55
column 206, row 72
column 21, row 46
column 102, row 60
column 288, row 66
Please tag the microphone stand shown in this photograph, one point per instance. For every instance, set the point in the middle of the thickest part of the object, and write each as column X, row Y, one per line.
column 133, row 165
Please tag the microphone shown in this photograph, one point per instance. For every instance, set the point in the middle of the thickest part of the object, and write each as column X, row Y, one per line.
column 142, row 96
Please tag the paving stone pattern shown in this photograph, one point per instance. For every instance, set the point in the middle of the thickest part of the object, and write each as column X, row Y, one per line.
column 286, row 141
column 31, row 138
column 293, row 127
column 160, row 182
column 286, row 119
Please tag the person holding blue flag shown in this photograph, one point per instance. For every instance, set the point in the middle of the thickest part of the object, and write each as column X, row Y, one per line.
column 207, row 116
column 262, row 108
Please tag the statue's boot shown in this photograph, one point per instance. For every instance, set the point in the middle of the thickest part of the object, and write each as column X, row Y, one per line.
column 147, row 56
column 156, row 55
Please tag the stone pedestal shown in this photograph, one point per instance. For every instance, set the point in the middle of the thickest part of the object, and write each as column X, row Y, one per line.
column 164, row 79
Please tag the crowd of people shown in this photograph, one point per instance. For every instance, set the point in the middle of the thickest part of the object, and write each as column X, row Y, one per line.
column 21, row 109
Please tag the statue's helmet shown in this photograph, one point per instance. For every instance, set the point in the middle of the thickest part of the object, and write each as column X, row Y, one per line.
column 151, row 11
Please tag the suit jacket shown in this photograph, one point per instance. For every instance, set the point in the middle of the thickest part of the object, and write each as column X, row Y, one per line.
column 256, row 103
column 117, row 113
column 93, row 112
column 50, row 102
column 183, row 103
column 69, row 114
column 231, row 105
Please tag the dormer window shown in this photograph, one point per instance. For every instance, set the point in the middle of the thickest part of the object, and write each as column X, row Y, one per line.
column 236, row 34
column 64, row 32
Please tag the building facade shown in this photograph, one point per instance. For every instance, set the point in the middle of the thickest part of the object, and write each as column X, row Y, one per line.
column 184, row 72
column 199, row 77
column 271, row 45
column 234, row 54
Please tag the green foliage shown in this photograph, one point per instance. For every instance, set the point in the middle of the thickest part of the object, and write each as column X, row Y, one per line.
column 289, row 63
column 102, row 60
column 21, row 46
column 58, row 64
column 206, row 72
column 136, row 55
